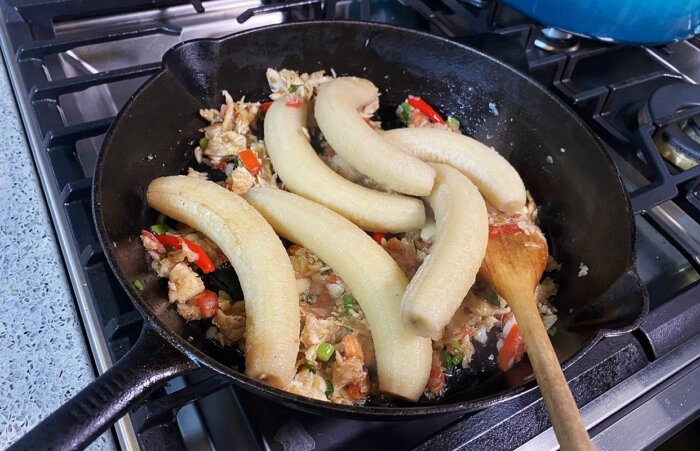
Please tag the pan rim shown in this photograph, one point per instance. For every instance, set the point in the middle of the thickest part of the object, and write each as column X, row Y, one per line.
column 302, row 402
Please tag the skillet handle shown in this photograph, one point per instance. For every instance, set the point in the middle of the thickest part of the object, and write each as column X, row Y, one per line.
column 149, row 364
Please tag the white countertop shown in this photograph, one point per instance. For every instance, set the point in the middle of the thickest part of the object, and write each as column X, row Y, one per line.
column 43, row 352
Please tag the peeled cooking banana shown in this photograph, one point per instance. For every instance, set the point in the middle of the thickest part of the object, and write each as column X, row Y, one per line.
column 361, row 146
column 303, row 173
column 497, row 180
column 261, row 263
column 448, row 272
column 376, row 281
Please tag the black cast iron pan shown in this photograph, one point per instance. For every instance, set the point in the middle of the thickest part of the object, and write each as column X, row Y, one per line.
column 585, row 211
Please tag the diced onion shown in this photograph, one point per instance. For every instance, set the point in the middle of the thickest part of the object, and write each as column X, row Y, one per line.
column 549, row 320
column 334, row 289
column 229, row 168
column 481, row 336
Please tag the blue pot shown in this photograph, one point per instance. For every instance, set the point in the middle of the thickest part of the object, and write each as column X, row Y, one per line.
column 645, row 22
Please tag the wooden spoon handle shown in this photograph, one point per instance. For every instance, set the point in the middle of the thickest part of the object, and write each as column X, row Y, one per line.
column 563, row 412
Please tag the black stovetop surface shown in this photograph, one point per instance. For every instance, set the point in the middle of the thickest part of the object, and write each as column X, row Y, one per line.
column 607, row 86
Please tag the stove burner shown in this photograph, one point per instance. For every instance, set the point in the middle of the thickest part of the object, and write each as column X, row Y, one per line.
column 674, row 152
column 554, row 40
column 679, row 141
column 691, row 127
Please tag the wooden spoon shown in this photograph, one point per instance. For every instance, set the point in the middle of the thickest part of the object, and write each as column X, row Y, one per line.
column 516, row 257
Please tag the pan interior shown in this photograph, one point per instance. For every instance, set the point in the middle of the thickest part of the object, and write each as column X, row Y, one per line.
column 583, row 207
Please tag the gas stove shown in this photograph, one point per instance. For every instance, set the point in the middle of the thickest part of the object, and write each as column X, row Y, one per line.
column 74, row 63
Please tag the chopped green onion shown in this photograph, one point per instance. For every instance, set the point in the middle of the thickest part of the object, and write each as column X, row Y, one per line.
column 455, row 344
column 310, row 366
column 324, row 351
column 457, row 359
column 329, row 388
column 138, row 284
column 452, row 122
column 552, row 331
column 293, row 88
column 347, row 303
column 405, row 113
column 203, row 143
column 447, row 359
column 158, row 229
column 217, row 118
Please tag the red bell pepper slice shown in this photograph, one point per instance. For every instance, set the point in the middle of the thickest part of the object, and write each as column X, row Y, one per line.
column 512, row 349
column 250, row 161
column 293, row 101
column 422, row 106
column 265, row 106
column 203, row 260
column 378, row 237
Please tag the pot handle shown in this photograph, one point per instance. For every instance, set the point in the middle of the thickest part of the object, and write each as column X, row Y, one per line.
column 149, row 364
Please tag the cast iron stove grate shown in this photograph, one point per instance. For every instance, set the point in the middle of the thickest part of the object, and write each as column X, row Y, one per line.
column 607, row 85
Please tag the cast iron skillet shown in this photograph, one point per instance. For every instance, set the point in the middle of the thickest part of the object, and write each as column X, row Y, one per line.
column 585, row 212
